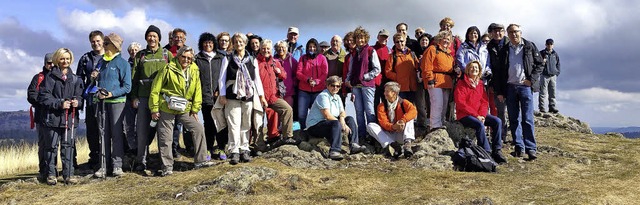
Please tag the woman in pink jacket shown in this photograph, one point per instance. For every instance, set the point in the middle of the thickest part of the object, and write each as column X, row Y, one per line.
column 312, row 72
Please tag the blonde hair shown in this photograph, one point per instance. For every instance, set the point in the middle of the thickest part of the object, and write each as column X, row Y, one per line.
column 447, row 20
column 467, row 70
column 58, row 55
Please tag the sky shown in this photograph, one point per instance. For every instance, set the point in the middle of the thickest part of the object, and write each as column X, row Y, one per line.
column 596, row 40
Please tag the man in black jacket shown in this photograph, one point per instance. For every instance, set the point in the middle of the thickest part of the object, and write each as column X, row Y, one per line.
column 551, row 70
column 32, row 97
column 498, row 40
column 516, row 77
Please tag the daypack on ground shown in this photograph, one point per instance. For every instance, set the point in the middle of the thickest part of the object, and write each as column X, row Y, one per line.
column 473, row 158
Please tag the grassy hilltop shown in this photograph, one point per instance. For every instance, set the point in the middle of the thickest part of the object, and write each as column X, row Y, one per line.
column 572, row 168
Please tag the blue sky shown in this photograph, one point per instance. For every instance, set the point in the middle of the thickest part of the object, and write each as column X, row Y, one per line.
column 598, row 82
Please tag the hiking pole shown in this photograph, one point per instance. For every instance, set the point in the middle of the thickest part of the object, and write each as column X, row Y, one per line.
column 72, row 140
column 103, row 157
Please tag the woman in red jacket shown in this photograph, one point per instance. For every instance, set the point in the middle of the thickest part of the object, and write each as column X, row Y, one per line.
column 472, row 107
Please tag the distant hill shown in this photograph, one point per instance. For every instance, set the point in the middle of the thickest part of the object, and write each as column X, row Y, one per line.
column 628, row 132
column 15, row 127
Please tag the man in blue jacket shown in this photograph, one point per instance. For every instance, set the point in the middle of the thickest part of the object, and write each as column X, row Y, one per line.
column 550, row 72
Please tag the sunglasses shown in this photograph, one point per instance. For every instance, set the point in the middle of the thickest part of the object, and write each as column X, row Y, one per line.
column 335, row 86
column 107, row 43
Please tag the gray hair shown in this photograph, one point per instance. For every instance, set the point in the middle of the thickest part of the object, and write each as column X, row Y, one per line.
column 266, row 42
column 239, row 35
column 282, row 43
column 333, row 79
column 134, row 45
column 185, row 49
column 395, row 87
column 443, row 34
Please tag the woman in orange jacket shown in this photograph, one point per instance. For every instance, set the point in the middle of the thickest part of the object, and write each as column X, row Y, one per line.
column 437, row 75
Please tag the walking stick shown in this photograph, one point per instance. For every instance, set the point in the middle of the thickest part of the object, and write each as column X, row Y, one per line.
column 101, row 125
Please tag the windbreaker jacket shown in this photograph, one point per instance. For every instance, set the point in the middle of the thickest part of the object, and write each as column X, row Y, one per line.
column 209, row 75
column 171, row 81
column 115, row 77
column 269, row 77
column 383, row 116
column 552, row 66
column 312, row 68
column 532, row 64
column 470, row 101
column 53, row 92
column 145, row 67
column 437, row 68
column 87, row 64
column 404, row 71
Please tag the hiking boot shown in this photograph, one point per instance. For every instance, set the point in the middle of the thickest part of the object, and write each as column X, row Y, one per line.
column 397, row 149
column 203, row 164
column 335, row 156
column 234, row 158
column 406, row 148
column 71, row 180
column 498, row 157
column 245, row 156
column 291, row 141
column 100, row 173
column 275, row 142
column 356, row 148
column 117, row 172
column 532, row 154
column 166, row 173
column 221, row 154
column 140, row 168
column 52, row 180
column 176, row 154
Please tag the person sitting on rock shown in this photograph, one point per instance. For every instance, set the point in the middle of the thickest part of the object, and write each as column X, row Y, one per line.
column 327, row 118
column 472, row 108
column 395, row 122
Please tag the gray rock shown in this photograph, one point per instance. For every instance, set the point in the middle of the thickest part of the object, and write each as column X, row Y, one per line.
column 292, row 156
column 614, row 134
column 439, row 163
column 561, row 121
column 456, row 131
column 437, row 141
column 239, row 181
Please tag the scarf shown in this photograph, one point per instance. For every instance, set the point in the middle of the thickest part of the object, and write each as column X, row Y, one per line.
column 391, row 109
column 209, row 55
column 107, row 58
column 243, row 87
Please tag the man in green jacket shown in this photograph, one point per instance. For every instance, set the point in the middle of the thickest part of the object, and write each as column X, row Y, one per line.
column 146, row 64
column 176, row 93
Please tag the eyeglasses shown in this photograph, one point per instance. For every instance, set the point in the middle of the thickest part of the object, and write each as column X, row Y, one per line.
column 486, row 41
column 49, row 63
column 335, row 86
column 398, row 41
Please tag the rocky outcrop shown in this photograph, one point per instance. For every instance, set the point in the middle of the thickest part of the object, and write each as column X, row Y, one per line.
column 560, row 121
column 239, row 181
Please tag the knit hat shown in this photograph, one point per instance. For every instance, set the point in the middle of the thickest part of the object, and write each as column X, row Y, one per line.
column 115, row 40
column 155, row 29
column 48, row 58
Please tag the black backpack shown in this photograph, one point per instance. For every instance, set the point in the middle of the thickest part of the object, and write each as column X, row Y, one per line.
column 473, row 158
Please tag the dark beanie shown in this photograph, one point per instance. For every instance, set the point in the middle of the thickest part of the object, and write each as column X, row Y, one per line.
column 155, row 29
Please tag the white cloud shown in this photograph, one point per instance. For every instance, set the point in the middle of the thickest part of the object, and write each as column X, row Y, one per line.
column 600, row 107
column 131, row 26
column 17, row 67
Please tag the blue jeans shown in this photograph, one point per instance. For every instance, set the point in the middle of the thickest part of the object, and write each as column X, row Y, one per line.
column 335, row 132
column 496, row 126
column 364, row 108
column 305, row 100
column 520, row 109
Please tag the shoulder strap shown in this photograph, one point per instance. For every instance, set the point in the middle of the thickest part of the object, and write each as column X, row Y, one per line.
column 395, row 58
column 40, row 78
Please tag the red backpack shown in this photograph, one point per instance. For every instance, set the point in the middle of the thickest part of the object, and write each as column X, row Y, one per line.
column 40, row 78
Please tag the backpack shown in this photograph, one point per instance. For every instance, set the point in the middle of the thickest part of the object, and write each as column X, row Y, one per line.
column 40, row 78
column 473, row 158
column 415, row 58
column 400, row 102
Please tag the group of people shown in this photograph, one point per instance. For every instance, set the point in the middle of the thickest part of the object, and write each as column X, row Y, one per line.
column 238, row 80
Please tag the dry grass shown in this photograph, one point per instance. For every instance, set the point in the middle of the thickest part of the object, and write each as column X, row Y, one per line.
column 572, row 169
